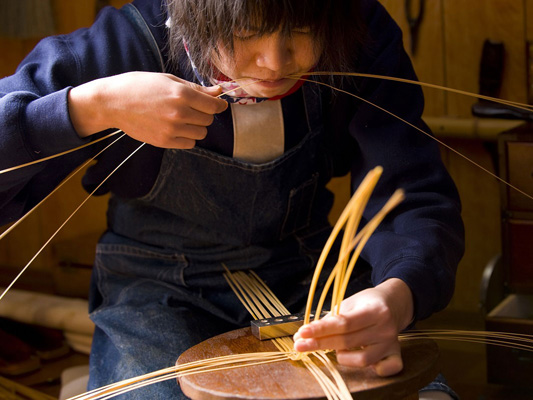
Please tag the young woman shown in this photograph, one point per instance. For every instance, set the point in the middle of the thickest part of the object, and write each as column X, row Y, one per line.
column 238, row 180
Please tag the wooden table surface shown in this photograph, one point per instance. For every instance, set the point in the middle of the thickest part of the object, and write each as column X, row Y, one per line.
column 291, row 380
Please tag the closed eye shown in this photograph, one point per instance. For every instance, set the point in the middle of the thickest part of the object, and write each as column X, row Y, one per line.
column 245, row 34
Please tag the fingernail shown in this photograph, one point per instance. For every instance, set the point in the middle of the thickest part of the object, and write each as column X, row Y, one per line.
column 305, row 345
column 305, row 330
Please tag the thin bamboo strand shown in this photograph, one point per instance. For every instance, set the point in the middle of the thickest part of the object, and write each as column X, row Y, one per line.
column 242, row 300
column 395, row 199
column 262, row 288
column 266, row 296
column 508, row 184
column 382, row 77
column 64, row 223
column 322, row 382
column 222, row 360
column 263, row 312
column 259, row 297
column 272, row 296
column 118, row 131
column 93, row 142
column 370, row 179
column 71, row 175
column 489, row 341
column 341, row 384
column 192, row 367
column 179, row 374
column 521, row 340
column 327, row 387
column 523, row 106
column 332, row 276
column 523, row 336
column 526, row 107
column 347, row 245
column 338, row 387
column 254, row 312
column 59, row 154
column 358, row 242
column 254, row 295
column 286, row 344
column 349, row 231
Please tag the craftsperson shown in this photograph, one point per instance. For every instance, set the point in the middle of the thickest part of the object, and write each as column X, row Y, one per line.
column 238, row 180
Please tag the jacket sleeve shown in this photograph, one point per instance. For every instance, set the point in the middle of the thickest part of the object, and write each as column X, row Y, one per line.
column 34, row 118
column 422, row 241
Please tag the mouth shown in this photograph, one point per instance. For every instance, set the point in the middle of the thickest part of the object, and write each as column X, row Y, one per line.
column 266, row 87
column 271, row 83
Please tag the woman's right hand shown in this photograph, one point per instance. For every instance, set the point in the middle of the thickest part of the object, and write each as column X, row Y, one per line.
column 156, row 108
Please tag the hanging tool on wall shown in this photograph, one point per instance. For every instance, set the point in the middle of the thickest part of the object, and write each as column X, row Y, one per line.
column 490, row 80
column 529, row 66
column 414, row 21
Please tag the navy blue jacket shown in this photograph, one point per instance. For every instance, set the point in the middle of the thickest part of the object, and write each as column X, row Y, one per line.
column 421, row 245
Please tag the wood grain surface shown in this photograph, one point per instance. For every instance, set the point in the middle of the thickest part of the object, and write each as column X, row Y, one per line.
column 291, row 380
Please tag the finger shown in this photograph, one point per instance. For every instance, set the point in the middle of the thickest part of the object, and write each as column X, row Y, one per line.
column 326, row 326
column 174, row 143
column 182, row 143
column 337, row 342
column 183, row 137
column 202, row 98
column 205, row 103
column 319, row 335
column 384, row 357
column 389, row 366
column 192, row 132
column 303, row 345
column 333, row 326
column 190, row 116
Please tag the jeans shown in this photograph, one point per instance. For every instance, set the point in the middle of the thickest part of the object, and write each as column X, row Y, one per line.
column 147, row 313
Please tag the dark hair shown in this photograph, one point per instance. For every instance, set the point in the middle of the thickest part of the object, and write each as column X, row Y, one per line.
column 204, row 24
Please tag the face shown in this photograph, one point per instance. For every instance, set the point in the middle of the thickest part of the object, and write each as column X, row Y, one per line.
column 261, row 63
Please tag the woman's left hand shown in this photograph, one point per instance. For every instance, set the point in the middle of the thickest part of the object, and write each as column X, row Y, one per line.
column 365, row 333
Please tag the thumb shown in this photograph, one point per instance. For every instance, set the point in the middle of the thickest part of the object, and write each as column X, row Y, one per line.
column 210, row 90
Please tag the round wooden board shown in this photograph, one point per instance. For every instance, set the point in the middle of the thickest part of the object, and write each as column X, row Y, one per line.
column 291, row 380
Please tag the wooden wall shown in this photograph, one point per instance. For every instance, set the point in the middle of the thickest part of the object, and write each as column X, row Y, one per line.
column 449, row 50
column 450, row 43
column 20, row 245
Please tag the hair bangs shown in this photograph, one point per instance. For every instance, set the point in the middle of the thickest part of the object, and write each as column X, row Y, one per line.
column 269, row 16
column 205, row 25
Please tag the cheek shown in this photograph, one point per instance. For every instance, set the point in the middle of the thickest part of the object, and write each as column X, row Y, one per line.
column 307, row 53
column 225, row 62
column 242, row 59
column 231, row 65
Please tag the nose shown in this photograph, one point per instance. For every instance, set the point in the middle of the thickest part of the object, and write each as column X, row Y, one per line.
column 275, row 52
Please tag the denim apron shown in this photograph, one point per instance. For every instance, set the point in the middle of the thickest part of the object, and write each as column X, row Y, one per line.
column 158, row 287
